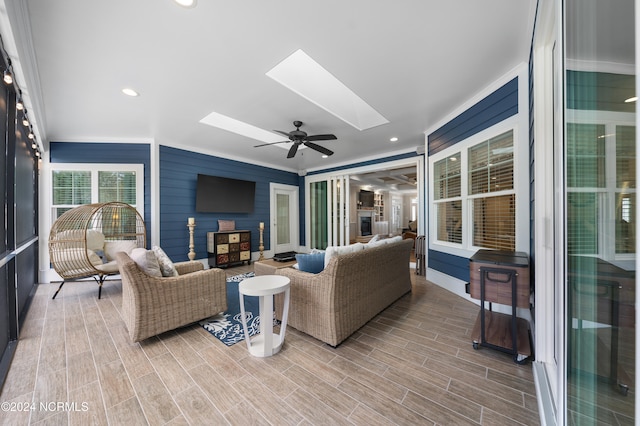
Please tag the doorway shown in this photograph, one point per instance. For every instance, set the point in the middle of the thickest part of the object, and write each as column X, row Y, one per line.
column 324, row 200
column 284, row 231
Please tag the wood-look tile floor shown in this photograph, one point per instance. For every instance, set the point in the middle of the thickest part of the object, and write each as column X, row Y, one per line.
column 412, row 364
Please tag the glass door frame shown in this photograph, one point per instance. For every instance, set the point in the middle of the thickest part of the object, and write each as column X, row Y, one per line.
column 294, row 221
column 549, row 330
column 417, row 161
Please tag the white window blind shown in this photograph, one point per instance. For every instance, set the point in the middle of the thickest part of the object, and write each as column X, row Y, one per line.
column 586, row 155
column 70, row 188
column 117, row 186
column 73, row 185
column 494, row 222
column 490, row 172
column 448, row 190
column 447, row 177
column 450, row 221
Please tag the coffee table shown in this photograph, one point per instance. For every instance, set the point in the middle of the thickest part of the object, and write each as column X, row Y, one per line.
column 270, row 266
column 265, row 287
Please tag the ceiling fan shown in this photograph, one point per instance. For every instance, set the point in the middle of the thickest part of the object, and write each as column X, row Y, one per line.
column 299, row 137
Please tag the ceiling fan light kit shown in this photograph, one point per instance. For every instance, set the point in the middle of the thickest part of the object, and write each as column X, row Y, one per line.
column 300, row 137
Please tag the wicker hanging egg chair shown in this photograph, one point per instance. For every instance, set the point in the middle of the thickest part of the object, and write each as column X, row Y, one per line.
column 83, row 241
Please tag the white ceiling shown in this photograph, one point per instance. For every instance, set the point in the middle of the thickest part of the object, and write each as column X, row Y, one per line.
column 413, row 61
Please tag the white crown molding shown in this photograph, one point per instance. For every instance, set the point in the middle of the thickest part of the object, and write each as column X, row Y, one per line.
column 226, row 156
column 92, row 139
column 517, row 71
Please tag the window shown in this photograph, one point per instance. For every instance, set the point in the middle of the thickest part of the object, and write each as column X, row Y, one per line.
column 491, row 172
column 448, row 187
column 76, row 184
column 474, row 194
column 601, row 163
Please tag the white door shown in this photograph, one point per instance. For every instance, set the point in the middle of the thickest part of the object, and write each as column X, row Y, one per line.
column 285, row 232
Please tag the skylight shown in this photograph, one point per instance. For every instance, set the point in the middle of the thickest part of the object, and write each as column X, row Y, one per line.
column 304, row 76
column 236, row 126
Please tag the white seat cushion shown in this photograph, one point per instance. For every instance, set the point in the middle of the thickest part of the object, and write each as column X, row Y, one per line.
column 332, row 251
column 113, row 247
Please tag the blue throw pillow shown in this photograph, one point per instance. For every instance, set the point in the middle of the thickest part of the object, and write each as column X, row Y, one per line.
column 313, row 263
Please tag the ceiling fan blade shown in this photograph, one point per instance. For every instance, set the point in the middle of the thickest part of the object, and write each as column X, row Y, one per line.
column 321, row 137
column 293, row 150
column 319, row 148
column 282, row 133
column 270, row 143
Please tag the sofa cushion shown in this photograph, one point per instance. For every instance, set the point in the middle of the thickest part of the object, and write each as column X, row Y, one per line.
column 312, row 262
column 166, row 265
column 393, row 239
column 332, row 251
column 147, row 261
column 372, row 244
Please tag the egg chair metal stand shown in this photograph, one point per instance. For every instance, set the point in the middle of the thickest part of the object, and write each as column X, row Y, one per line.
column 83, row 241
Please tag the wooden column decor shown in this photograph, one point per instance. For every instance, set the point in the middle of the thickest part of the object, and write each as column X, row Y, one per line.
column 261, row 246
column 191, row 224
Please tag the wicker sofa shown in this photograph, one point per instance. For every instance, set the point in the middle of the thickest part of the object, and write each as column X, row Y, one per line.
column 351, row 290
column 153, row 305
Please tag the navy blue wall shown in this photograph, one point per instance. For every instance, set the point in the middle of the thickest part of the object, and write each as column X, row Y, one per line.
column 115, row 153
column 498, row 106
column 178, row 175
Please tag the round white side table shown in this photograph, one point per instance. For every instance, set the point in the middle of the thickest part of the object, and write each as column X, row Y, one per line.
column 265, row 287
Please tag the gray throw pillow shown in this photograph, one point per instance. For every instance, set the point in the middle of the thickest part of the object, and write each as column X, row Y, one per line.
column 166, row 265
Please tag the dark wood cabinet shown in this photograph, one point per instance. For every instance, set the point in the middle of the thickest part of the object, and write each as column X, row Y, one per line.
column 228, row 248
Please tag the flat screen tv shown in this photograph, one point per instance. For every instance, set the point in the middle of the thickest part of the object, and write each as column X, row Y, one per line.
column 365, row 198
column 215, row 194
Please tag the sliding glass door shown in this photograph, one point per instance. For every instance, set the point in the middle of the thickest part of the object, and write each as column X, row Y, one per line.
column 600, row 205
column 329, row 212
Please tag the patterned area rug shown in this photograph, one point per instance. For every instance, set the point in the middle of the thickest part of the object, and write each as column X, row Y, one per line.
column 227, row 326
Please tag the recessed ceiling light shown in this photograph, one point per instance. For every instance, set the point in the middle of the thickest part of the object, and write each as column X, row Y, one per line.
column 394, row 139
column 304, row 76
column 130, row 92
column 633, row 99
column 186, row 3
column 325, row 156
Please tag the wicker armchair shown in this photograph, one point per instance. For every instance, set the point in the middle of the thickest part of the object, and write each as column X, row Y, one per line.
column 153, row 305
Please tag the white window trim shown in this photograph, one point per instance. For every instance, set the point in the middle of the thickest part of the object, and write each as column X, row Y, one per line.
column 47, row 273
column 94, row 169
column 520, row 188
